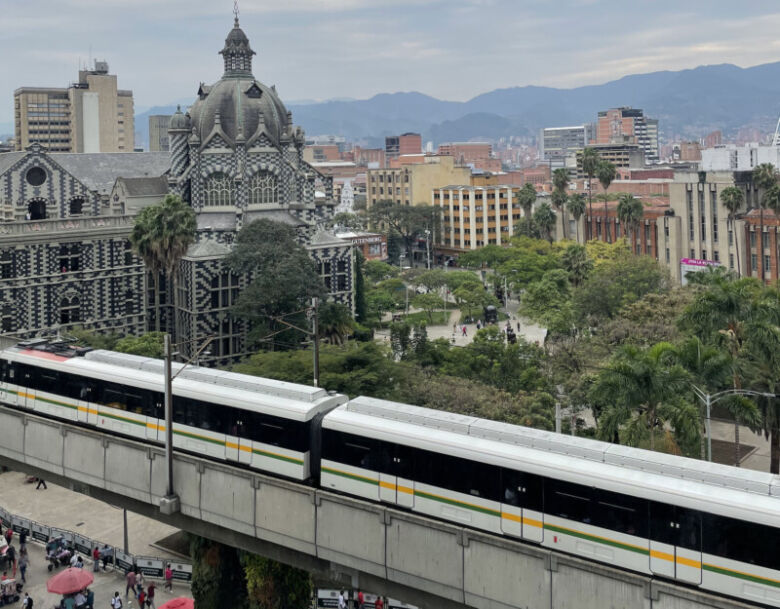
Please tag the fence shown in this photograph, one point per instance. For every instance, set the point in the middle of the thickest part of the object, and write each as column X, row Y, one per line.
column 151, row 566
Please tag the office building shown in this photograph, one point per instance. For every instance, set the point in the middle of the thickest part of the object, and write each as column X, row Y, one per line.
column 158, row 132
column 411, row 184
column 556, row 143
column 91, row 115
column 622, row 156
column 397, row 145
column 630, row 126
column 738, row 158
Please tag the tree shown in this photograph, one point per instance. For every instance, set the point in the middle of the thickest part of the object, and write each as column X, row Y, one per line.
column 590, row 160
column 376, row 270
column 772, row 200
column 273, row 585
column 161, row 235
column 335, row 322
column 429, row 303
column 284, row 280
column 348, row 221
column 764, row 177
column 640, row 390
column 630, row 212
column 525, row 198
column 577, row 263
column 217, row 575
column 407, row 221
column 544, row 219
column 489, row 256
column 576, row 207
column 361, row 309
column 473, row 298
column 732, row 198
column 548, row 302
column 560, row 181
column 148, row 345
column 606, row 173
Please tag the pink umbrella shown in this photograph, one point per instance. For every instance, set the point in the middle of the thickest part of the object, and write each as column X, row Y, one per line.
column 69, row 581
column 178, row 603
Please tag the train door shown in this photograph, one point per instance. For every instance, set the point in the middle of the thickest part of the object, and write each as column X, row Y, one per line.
column 7, row 382
column 403, row 465
column 25, row 393
column 383, row 458
column 236, row 433
column 521, row 505
column 675, row 542
column 247, row 432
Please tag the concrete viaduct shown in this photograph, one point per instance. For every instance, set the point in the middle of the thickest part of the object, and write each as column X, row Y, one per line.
column 340, row 540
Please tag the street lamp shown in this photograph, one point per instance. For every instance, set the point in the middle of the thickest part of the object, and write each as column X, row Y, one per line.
column 428, row 248
column 709, row 399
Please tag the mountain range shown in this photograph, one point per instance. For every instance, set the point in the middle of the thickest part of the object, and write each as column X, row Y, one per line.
column 688, row 103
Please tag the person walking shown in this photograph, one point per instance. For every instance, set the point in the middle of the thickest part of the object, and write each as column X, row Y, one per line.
column 23, row 562
column 130, row 582
column 41, row 481
column 342, row 602
column 141, row 598
column 116, row 602
column 95, row 559
column 22, row 541
column 168, row 578
column 464, row 330
column 139, row 582
column 360, row 599
column 150, row 595
column 27, row 603
column 9, row 533
column 378, row 604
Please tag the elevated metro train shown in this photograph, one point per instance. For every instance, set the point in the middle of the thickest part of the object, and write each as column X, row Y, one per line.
column 698, row 523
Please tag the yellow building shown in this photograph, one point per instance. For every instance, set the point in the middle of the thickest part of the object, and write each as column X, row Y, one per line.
column 475, row 216
column 411, row 184
column 92, row 115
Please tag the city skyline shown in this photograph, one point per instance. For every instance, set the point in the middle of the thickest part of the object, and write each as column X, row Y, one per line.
column 451, row 51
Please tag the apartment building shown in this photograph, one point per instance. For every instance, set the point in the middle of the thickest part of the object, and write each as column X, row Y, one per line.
column 556, row 143
column 412, row 184
column 628, row 125
column 91, row 115
column 158, row 132
column 397, row 145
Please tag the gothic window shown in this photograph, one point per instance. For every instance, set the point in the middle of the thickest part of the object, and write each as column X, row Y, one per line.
column 36, row 209
column 219, row 190
column 70, row 257
column 76, row 206
column 7, row 264
column 69, row 310
column 6, row 317
column 264, row 189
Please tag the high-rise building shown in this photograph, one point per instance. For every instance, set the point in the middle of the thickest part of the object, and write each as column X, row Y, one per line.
column 411, row 184
column 628, row 126
column 91, row 115
column 556, row 143
column 158, row 132
column 408, row 143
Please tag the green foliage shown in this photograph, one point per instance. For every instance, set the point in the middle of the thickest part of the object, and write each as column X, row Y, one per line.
column 217, row 575
column 489, row 256
column 548, row 302
column 361, row 308
column 409, row 222
column 432, row 279
column 437, row 318
column 526, row 197
column 544, row 221
column 472, row 298
column 429, row 303
column 273, row 585
column 456, row 279
column 605, row 172
column 335, row 322
column 285, row 280
column 149, row 345
column 531, row 259
column 376, row 270
column 576, row 263
column 349, row 221
column 90, row 338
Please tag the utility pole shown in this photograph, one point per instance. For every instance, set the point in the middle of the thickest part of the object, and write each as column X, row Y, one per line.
column 428, row 248
column 170, row 503
column 316, row 337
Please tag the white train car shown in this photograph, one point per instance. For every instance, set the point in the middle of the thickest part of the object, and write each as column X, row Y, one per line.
column 698, row 523
column 265, row 424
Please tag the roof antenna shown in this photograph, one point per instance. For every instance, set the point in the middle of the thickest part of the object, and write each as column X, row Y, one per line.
column 235, row 11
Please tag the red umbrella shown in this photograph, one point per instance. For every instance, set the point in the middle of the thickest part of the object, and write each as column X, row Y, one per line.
column 69, row 581
column 178, row 603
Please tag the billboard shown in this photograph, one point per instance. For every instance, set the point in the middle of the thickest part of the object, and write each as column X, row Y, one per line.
column 694, row 265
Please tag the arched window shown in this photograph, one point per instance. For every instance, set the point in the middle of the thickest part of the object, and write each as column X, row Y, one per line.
column 36, row 209
column 264, row 189
column 69, row 310
column 219, row 190
column 76, row 206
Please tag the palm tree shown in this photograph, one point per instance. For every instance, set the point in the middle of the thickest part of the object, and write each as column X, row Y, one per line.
column 642, row 389
column 576, row 207
column 525, row 198
column 577, row 263
column 544, row 219
column 560, row 180
column 606, row 173
column 772, row 200
column 764, row 177
column 590, row 160
column 162, row 233
column 732, row 198
column 335, row 323
column 630, row 213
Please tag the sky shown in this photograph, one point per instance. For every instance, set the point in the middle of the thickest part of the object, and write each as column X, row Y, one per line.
column 324, row 49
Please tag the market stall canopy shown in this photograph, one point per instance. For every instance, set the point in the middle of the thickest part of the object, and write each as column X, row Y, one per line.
column 69, row 581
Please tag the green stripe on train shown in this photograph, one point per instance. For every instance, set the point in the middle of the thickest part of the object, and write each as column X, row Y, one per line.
column 603, row 540
column 275, row 456
column 746, row 576
column 350, row 476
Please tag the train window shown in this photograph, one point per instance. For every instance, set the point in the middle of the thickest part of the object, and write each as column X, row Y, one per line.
column 521, row 490
column 276, row 431
column 3, row 371
column 619, row 512
column 675, row 525
column 456, row 474
column 350, row 449
column 566, row 500
column 78, row 387
column 740, row 540
column 48, row 381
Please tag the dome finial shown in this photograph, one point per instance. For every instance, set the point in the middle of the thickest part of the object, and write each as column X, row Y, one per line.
column 235, row 12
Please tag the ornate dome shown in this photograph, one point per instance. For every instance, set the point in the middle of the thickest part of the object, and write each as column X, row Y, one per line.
column 179, row 121
column 239, row 104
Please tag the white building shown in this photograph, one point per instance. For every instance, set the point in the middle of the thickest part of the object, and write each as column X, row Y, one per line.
column 738, row 158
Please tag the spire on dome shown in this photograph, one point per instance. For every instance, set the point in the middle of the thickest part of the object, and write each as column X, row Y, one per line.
column 237, row 52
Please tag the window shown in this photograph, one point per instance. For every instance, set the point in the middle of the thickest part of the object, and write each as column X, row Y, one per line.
column 566, row 500
column 731, row 261
column 675, row 526
column 6, row 317
column 263, row 189
column 36, row 209
column 731, row 236
column 6, row 264
column 647, row 232
column 70, row 257
column 692, row 253
column 667, row 256
column 716, row 256
column 521, row 490
column 69, row 310
column 76, row 206
column 218, row 190
column 618, row 512
column 702, row 216
column 767, row 264
column 740, row 540
column 752, row 239
column 714, row 205
column 689, row 201
column 35, row 176
column 224, row 290
column 753, row 262
column 704, row 254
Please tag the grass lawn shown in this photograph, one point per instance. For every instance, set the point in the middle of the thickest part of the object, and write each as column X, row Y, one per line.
column 440, row 318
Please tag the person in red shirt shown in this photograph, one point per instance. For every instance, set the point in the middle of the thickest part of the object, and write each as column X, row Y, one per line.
column 360, row 599
column 379, row 604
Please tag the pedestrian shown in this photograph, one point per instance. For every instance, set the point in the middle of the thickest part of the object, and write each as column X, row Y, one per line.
column 41, row 481
column 9, row 532
column 116, row 602
column 141, row 598
column 342, row 602
column 81, row 600
column 360, row 599
column 27, row 603
column 79, row 563
column 454, row 328
column 479, row 325
column 96, row 559
column 23, row 562
column 464, row 330
column 105, row 554
column 90, row 599
column 518, row 327
column 150, row 595
column 169, row 578
column 378, row 604
column 139, row 581
column 11, row 557
column 22, row 541
column 74, row 560
column 130, row 582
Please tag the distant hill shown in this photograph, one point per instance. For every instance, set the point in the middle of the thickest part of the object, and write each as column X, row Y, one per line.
column 689, row 103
